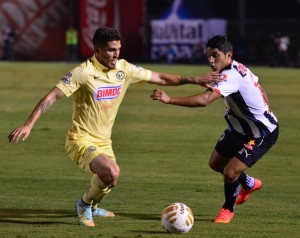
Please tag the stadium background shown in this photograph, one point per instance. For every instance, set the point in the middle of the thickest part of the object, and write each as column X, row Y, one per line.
column 41, row 25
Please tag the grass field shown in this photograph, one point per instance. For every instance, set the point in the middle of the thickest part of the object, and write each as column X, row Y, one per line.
column 163, row 152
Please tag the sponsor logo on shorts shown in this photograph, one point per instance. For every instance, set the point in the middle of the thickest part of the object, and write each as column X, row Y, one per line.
column 244, row 150
column 247, row 148
column 91, row 149
column 249, row 145
column 246, row 153
column 106, row 93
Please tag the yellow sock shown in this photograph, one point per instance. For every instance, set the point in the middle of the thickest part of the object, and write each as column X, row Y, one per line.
column 96, row 192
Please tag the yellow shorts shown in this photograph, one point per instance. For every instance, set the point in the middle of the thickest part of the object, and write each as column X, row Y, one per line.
column 82, row 152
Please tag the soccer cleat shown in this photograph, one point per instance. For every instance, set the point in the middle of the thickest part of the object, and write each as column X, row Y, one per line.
column 224, row 216
column 245, row 194
column 84, row 214
column 99, row 212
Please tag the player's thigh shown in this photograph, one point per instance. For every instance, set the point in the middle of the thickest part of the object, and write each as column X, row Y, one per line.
column 226, row 148
column 83, row 152
column 217, row 161
column 233, row 169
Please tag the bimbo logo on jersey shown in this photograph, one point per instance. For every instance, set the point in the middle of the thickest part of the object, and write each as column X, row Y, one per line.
column 106, row 93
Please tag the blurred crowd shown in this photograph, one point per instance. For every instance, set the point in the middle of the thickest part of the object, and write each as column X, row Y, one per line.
column 8, row 37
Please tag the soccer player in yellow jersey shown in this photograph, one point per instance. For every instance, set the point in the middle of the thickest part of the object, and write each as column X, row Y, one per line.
column 98, row 86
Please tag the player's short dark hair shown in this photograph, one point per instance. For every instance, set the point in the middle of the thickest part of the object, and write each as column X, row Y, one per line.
column 104, row 35
column 221, row 43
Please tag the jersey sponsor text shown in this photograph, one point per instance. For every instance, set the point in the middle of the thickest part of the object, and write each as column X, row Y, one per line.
column 105, row 93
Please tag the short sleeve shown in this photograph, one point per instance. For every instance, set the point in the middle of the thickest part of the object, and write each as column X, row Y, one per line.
column 138, row 74
column 72, row 81
column 226, row 87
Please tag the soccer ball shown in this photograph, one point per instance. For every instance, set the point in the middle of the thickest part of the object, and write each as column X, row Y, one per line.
column 177, row 218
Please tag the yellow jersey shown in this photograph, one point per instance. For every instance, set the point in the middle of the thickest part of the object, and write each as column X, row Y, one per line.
column 97, row 94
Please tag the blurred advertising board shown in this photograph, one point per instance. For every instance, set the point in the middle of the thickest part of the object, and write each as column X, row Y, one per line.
column 181, row 31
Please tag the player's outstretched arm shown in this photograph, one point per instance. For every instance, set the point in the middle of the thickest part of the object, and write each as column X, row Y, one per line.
column 24, row 130
column 171, row 79
column 199, row 100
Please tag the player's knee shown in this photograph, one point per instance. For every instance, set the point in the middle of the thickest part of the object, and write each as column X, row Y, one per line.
column 115, row 174
column 229, row 176
column 214, row 166
column 211, row 165
column 111, row 176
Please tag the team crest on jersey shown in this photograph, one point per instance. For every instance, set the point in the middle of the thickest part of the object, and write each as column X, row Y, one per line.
column 66, row 78
column 108, row 92
column 120, row 75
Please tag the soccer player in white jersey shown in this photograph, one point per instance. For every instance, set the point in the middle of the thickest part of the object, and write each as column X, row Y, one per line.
column 252, row 127
column 98, row 86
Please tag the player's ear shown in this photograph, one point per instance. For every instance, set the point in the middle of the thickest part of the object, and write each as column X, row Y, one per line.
column 97, row 49
column 229, row 54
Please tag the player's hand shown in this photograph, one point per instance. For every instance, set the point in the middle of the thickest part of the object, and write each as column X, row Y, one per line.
column 207, row 79
column 20, row 132
column 160, row 95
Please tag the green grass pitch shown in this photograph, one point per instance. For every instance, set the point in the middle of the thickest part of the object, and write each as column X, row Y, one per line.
column 163, row 153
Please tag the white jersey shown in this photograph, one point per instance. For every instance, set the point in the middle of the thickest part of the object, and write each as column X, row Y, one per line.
column 247, row 112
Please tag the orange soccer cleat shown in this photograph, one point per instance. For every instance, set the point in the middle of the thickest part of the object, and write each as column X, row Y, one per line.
column 245, row 194
column 225, row 216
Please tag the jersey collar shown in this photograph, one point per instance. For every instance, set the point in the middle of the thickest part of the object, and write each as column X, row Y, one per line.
column 227, row 67
column 98, row 65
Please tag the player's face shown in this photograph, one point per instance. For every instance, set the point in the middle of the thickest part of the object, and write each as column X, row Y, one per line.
column 217, row 60
column 109, row 54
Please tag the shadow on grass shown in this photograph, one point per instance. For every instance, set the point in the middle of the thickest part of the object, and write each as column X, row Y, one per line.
column 150, row 232
column 139, row 216
column 48, row 217
column 31, row 216
column 157, row 216
column 203, row 218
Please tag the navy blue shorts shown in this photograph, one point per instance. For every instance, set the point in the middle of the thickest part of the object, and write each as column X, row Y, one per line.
column 247, row 149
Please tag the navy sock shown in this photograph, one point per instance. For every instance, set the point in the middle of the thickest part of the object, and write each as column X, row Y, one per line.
column 246, row 181
column 231, row 191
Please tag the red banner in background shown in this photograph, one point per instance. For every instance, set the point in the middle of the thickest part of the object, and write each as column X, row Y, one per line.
column 133, row 30
column 127, row 18
column 92, row 15
column 39, row 26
